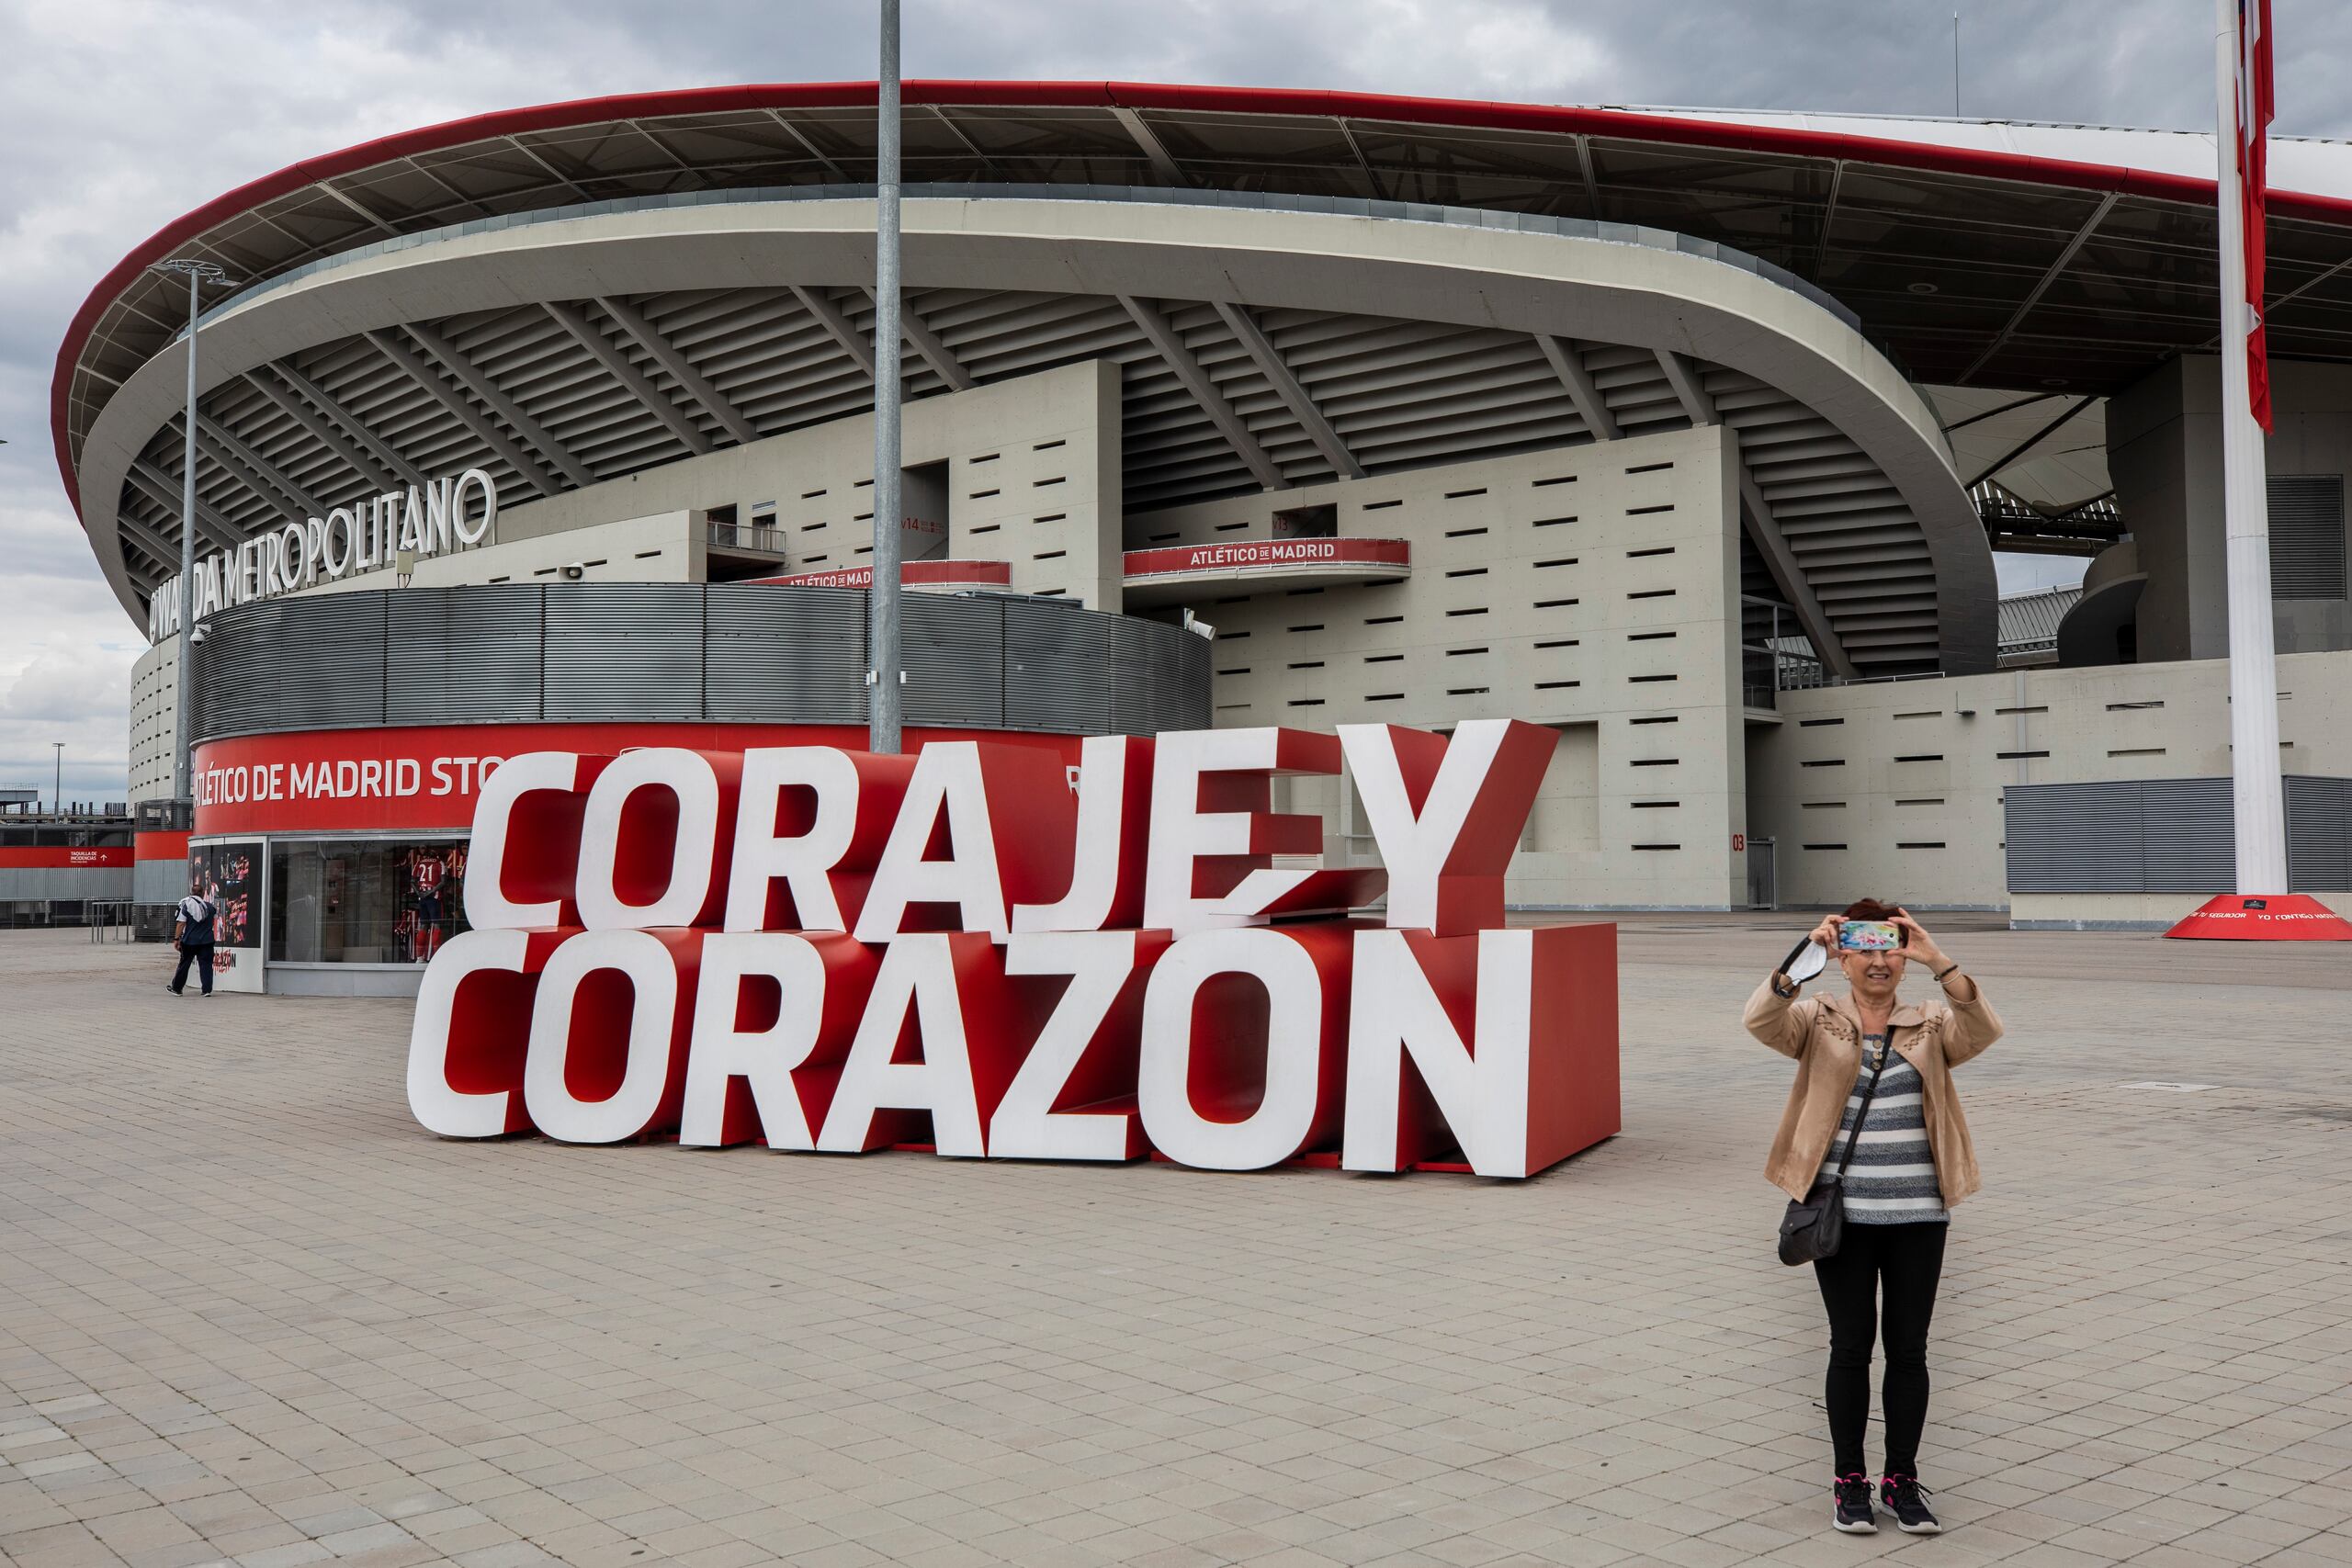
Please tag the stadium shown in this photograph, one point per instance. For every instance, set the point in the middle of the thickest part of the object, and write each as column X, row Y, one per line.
column 1691, row 435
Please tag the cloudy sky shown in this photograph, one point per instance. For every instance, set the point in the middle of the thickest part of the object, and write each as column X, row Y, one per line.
column 118, row 115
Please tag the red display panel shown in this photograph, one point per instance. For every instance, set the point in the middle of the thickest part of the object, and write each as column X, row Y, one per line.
column 59, row 857
column 428, row 778
column 913, row 574
column 1268, row 552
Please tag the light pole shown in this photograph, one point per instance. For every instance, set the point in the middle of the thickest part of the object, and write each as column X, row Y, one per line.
column 199, row 273
column 57, row 783
column 882, row 612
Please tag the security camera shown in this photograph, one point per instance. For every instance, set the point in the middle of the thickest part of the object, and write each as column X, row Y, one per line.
column 196, row 636
column 573, row 571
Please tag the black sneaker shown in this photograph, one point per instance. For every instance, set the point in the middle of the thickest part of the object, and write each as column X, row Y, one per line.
column 1908, row 1501
column 1854, row 1515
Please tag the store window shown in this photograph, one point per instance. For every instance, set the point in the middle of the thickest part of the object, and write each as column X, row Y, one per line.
column 364, row 901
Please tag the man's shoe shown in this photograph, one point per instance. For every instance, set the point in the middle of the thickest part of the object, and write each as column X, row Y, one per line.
column 1853, row 1515
column 1908, row 1501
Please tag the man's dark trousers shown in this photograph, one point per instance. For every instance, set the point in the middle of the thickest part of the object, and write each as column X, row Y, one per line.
column 200, row 956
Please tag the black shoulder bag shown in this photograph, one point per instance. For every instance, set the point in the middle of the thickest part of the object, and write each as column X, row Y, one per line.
column 1815, row 1225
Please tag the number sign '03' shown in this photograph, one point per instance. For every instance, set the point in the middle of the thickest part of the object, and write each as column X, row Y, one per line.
column 825, row 950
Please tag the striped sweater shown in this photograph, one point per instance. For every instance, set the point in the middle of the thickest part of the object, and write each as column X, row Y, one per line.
column 1893, row 1179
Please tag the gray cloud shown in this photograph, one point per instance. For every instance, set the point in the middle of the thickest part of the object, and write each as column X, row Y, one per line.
column 119, row 116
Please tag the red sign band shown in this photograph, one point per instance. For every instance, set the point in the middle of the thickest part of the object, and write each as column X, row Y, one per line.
column 1268, row 552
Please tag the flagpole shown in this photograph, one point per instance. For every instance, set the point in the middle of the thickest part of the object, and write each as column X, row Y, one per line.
column 2256, row 792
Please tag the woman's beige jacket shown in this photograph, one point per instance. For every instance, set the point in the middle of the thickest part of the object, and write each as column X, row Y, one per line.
column 1825, row 1034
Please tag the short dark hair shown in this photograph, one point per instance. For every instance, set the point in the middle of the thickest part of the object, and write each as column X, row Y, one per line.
column 1871, row 909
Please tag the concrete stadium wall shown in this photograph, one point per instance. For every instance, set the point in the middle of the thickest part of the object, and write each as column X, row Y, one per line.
column 1894, row 788
column 2165, row 452
column 1033, row 478
column 1593, row 589
column 154, row 720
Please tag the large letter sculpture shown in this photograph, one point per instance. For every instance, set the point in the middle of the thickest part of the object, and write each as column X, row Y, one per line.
column 981, row 951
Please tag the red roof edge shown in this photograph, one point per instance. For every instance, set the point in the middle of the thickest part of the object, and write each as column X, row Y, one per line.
column 1467, row 113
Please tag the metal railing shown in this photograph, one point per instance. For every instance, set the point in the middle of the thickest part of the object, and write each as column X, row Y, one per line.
column 1774, row 658
column 1774, row 655
column 34, row 914
column 113, row 920
column 762, row 537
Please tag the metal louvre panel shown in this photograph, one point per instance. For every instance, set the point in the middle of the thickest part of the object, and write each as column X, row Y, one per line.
column 780, row 655
column 59, row 884
column 653, row 652
column 1189, row 704
column 2167, row 836
column 624, row 651
column 315, row 663
column 2081, row 838
column 1055, row 667
column 1148, row 669
column 2307, row 536
column 2189, row 842
column 1130, row 666
column 158, row 881
column 955, row 661
column 2319, row 834
column 466, row 655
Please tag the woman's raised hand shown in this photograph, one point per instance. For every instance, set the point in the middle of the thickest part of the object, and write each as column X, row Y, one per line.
column 1917, row 945
column 1825, row 935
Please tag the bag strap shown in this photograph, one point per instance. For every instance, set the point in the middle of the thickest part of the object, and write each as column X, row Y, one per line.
column 1885, row 1050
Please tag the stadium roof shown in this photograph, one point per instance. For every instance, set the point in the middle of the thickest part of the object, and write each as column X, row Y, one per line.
column 2015, row 273
column 2037, row 258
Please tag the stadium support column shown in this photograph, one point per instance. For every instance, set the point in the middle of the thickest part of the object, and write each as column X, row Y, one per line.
column 882, row 616
column 2256, row 792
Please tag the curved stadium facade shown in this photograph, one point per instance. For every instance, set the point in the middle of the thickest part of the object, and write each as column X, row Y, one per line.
column 1691, row 437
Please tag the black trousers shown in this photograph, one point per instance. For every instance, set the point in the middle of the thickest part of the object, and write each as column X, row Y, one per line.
column 1902, row 1264
column 201, row 957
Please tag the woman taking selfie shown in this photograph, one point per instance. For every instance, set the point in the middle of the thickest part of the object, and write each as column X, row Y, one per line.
column 1874, row 1151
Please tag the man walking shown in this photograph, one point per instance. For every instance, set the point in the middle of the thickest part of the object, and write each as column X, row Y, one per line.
column 192, row 932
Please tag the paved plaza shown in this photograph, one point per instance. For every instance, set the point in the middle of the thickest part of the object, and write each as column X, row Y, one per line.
column 250, row 1312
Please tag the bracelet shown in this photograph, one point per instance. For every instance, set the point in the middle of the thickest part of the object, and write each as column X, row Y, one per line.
column 1947, row 974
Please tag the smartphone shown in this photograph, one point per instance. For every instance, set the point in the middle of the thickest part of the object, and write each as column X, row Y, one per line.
column 1868, row 936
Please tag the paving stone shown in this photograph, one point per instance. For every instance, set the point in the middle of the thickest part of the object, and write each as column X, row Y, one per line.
column 249, row 1303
